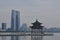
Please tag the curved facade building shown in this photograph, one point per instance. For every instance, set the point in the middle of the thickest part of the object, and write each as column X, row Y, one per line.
column 15, row 23
column 15, row 20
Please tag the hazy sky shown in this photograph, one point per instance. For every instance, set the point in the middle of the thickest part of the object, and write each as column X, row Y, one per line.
column 46, row 11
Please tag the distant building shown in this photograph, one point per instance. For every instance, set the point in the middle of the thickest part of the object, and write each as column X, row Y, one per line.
column 15, row 20
column 9, row 29
column 3, row 26
column 53, row 30
column 24, row 27
column 3, row 29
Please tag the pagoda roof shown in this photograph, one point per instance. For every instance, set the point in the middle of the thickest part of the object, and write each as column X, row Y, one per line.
column 36, row 22
column 36, row 25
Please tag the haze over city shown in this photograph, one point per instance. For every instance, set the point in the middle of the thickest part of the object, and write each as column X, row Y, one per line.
column 46, row 11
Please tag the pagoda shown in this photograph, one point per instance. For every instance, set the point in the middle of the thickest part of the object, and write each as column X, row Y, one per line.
column 36, row 28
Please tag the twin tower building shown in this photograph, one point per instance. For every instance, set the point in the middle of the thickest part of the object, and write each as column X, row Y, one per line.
column 15, row 23
column 15, row 20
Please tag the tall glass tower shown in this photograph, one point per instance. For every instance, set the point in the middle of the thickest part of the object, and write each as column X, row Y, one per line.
column 15, row 23
column 3, row 26
column 4, row 29
column 15, row 20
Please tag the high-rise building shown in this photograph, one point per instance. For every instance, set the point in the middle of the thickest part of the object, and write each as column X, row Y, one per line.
column 3, row 29
column 15, row 20
column 15, row 23
column 3, row 26
column 24, row 27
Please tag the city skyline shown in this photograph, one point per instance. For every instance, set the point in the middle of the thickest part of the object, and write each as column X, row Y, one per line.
column 15, row 24
column 29, row 19
column 20, row 19
column 47, row 11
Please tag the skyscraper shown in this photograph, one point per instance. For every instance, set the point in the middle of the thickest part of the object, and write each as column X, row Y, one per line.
column 3, row 29
column 3, row 26
column 15, row 23
column 15, row 20
column 24, row 27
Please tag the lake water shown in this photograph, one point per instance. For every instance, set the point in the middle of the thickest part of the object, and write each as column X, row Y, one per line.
column 55, row 37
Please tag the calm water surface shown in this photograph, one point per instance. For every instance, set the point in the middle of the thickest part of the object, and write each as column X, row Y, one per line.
column 55, row 37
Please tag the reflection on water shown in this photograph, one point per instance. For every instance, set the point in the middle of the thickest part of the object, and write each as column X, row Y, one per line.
column 55, row 37
column 3, row 37
column 14, row 37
